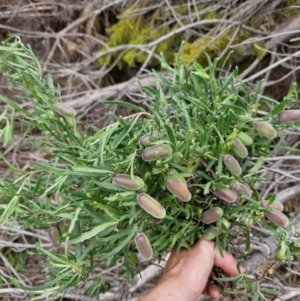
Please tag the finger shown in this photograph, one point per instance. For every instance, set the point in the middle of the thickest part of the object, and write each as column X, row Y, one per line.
column 213, row 291
column 227, row 263
column 205, row 291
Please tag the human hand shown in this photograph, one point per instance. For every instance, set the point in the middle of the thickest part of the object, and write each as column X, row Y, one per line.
column 186, row 274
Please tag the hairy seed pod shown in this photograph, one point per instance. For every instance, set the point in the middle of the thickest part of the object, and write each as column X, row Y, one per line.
column 245, row 138
column 64, row 110
column 232, row 165
column 239, row 148
column 54, row 235
column 177, row 188
column 160, row 150
column 67, row 113
column 241, row 188
column 275, row 205
column 277, row 218
column 225, row 194
column 126, row 181
column 146, row 138
column 209, row 234
column 289, row 116
column 265, row 129
column 282, row 250
column 211, row 215
column 143, row 245
column 151, row 206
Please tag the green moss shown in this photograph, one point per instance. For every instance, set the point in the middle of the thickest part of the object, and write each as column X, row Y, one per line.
column 260, row 49
column 144, row 29
column 139, row 30
column 213, row 47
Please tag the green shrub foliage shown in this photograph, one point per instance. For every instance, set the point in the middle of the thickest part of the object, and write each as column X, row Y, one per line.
column 104, row 196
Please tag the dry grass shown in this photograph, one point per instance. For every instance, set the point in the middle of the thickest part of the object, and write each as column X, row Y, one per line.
column 67, row 35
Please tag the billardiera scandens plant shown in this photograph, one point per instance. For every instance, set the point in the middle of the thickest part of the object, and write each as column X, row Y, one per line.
column 289, row 116
column 240, row 188
column 178, row 169
column 151, row 206
column 232, row 165
column 239, row 148
column 144, row 140
column 143, row 245
column 159, row 151
column 225, row 194
column 178, row 189
column 277, row 217
column 129, row 182
column 273, row 205
column 211, row 215
column 265, row 129
column 67, row 112
column 244, row 138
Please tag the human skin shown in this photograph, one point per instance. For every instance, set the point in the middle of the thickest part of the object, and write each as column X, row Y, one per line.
column 186, row 273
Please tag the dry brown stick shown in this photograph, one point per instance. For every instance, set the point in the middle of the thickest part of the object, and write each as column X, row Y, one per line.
column 112, row 92
column 71, row 26
column 284, row 32
column 288, row 194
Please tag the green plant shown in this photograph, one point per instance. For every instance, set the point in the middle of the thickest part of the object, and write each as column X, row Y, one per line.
column 146, row 181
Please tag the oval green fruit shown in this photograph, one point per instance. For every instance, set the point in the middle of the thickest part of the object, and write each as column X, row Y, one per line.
column 126, row 181
column 211, row 215
column 177, row 188
column 151, row 206
column 277, row 218
column 225, row 194
column 209, row 234
column 144, row 140
column 143, row 245
column 282, row 250
column 239, row 148
column 64, row 110
column 245, row 138
column 289, row 116
column 161, row 151
column 241, row 188
column 232, row 165
column 274, row 205
column 265, row 129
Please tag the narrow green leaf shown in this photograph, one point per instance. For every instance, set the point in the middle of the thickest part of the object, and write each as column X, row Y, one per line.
column 120, row 246
column 14, row 105
column 229, row 279
column 248, row 240
column 124, row 104
column 88, row 171
column 171, row 135
column 124, row 133
column 41, row 287
column 10, row 208
column 93, row 232
column 110, row 186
